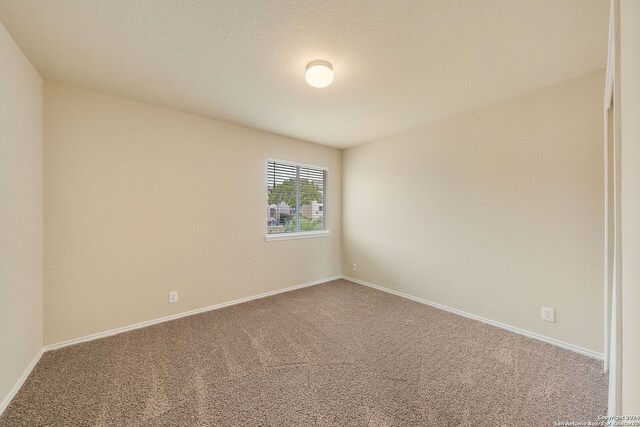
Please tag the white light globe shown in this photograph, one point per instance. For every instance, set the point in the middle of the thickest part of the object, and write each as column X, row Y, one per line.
column 319, row 74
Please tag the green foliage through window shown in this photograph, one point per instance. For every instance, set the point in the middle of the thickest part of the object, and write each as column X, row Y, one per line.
column 306, row 224
column 285, row 192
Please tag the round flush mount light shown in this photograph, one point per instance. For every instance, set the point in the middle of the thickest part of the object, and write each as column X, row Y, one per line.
column 319, row 74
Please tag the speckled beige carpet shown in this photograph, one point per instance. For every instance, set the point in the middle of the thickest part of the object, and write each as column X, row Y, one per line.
column 332, row 354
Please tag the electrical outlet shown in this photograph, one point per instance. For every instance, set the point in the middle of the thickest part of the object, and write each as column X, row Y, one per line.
column 355, row 267
column 173, row 297
column 548, row 314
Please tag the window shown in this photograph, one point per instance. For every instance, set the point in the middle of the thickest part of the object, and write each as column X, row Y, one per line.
column 296, row 200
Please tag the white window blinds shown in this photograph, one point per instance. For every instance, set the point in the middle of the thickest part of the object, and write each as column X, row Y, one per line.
column 296, row 198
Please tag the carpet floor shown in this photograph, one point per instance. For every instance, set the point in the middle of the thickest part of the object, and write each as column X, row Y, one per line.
column 332, row 354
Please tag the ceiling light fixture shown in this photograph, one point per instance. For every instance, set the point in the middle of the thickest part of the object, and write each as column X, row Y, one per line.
column 319, row 74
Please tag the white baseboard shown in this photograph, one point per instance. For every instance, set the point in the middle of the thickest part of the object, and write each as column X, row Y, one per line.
column 179, row 315
column 562, row 344
column 12, row 393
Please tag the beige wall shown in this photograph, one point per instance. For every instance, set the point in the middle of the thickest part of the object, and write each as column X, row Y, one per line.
column 496, row 212
column 20, row 213
column 630, row 202
column 141, row 200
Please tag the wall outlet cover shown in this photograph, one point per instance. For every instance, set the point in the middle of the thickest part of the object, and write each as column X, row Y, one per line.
column 548, row 314
column 173, row 297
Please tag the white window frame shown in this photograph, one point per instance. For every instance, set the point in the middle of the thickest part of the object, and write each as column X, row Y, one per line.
column 302, row 234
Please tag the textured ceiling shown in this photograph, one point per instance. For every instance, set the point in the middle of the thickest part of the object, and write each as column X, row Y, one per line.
column 398, row 64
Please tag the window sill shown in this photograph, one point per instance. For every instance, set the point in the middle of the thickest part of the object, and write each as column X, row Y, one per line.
column 293, row 236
